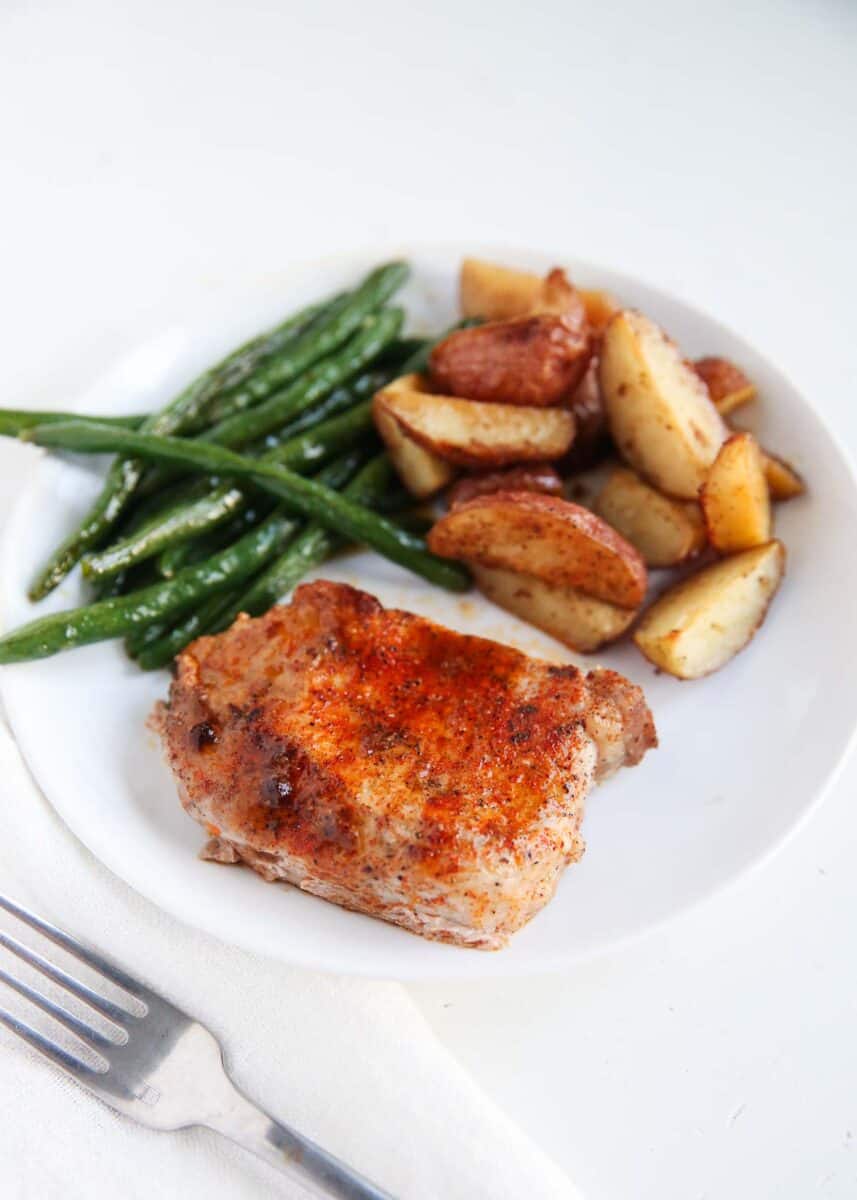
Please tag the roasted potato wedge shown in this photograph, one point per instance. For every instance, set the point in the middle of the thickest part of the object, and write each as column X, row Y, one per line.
column 566, row 613
column 551, row 539
column 541, row 477
column 559, row 296
column 665, row 531
column 660, row 415
column 592, row 438
column 422, row 472
column 529, row 361
column 599, row 307
column 700, row 624
column 736, row 504
column 496, row 293
column 472, row 434
column 727, row 384
column 784, row 483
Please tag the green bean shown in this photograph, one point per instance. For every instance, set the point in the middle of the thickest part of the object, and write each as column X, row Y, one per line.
column 105, row 589
column 171, row 560
column 183, row 521
column 99, row 520
column 222, row 609
column 143, row 508
column 195, row 552
column 331, row 437
column 291, row 359
column 175, row 558
column 320, row 418
column 290, row 356
column 400, row 352
column 323, row 338
column 14, row 420
column 139, row 639
column 371, row 485
column 376, row 332
column 117, row 616
column 313, row 545
column 180, row 414
column 138, row 577
column 416, row 521
column 243, row 363
column 188, row 490
column 188, row 520
column 303, row 496
column 310, row 549
column 335, row 474
column 177, row 552
column 339, row 400
column 164, row 642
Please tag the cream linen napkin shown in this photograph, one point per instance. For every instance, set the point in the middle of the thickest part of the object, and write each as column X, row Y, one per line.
column 351, row 1063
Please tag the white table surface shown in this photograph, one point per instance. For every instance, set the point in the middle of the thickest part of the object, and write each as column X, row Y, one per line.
column 153, row 152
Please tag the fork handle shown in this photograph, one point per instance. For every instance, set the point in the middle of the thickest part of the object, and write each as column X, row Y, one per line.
column 249, row 1126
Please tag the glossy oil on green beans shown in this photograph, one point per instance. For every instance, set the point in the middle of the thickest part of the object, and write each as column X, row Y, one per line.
column 339, row 400
column 185, row 521
column 334, row 475
column 322, row 339
column 172, row 560
column 181, row 414
column 221, row 609
column 304, row 496
column 376, row 332
column 14, row 420
column 312, row 546
column 119, row 615
column 159, row 650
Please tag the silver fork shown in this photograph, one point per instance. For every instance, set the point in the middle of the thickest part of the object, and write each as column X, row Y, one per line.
column 161, row 1067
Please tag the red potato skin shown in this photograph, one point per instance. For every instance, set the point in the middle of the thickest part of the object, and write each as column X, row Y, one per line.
column 561, row 297
column 531, row 361
column 541, row 477
column 614, row 570
column 722, row 377
column 592, row 437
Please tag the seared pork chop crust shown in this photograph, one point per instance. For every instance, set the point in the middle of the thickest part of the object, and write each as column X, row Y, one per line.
column 392, row 766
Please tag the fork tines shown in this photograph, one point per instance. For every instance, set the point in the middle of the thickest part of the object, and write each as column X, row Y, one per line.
column 114, row 1017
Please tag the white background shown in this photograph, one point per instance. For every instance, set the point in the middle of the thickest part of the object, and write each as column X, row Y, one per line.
column 153, row 152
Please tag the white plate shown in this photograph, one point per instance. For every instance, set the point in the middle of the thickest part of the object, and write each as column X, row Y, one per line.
column 743, row 754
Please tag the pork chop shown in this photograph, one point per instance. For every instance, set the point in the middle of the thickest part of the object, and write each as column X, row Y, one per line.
column 385, row 763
